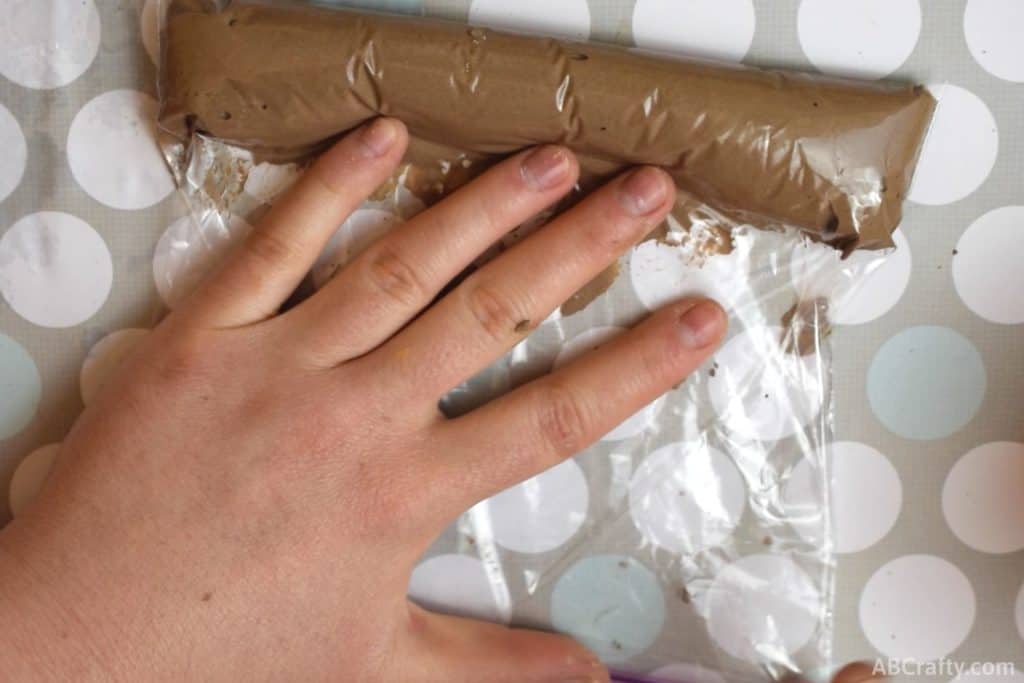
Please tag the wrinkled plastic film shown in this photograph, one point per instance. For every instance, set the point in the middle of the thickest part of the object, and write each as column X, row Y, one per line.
column 693, row 541
column 728, row 423
column 723, row 477
column 833, row 158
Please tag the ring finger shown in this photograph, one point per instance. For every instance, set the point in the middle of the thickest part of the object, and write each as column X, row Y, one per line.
column 499, row 304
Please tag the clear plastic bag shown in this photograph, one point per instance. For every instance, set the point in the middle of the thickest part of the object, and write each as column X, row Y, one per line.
column 693, row 542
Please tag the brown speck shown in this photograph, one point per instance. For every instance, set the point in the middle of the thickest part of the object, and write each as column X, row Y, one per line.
column 593, row 289
column 225, row 115
column 804, row 324
column 712, row 371
column 207, row 597
column 683, row 594
column 263, row 106
column 579, row 57
column 522, row 326
column 815, row 103
column 767, row 540
column 232, row 21
column 470, row 540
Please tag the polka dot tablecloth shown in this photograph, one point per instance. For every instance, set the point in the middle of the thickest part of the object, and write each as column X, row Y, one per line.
column 928, row 354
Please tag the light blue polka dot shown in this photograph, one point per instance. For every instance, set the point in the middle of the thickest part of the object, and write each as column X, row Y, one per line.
column 926, row 382
column 20, row 387
column 398, row 6
column 610, row 603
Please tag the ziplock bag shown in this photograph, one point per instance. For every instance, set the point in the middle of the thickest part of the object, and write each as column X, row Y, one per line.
column 693, row 541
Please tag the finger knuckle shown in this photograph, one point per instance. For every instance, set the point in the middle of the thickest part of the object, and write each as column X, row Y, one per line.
column 494, row 214
column 183, row 362
column 499, row 315
column 268, row 248
column 327, row 182
column 562, row 422
column 390, row 274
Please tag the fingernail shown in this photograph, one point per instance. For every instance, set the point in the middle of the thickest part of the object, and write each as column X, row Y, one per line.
column 545, row 167
column 642, row 191
column 379, row 137
column 702, row 325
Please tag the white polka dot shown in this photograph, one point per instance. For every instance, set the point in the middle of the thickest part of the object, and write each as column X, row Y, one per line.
column 917, row 607
column 20, row 387
column 188, row 252
column 686, row 497
column 717, row 29
column 611, row 604
column 57, row 270
column 993, row 29
column 927, row 382
column 866, row 497
column 686, row 673
column 763, row 603
column 984, row 675
column 113, row 151
column 458, row 584
column 29, row 476
column 46, row 44
column 981, row 498
column 1019, row 612
column 539, row 514
column 149, row 28
column 363, row 228
column 567, row 18
column 104, row 357
column 867, row 39
column 986, row 267
column 15, row 156
column 959, row 151
column 663, row 273
column 860, row 288
column 588, row 341
column 267, row 181
column 762, row 391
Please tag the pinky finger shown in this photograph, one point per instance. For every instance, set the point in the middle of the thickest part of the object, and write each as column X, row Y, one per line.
column 542, row 423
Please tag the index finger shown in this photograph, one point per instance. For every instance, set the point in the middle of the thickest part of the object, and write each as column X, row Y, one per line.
column 258, row 276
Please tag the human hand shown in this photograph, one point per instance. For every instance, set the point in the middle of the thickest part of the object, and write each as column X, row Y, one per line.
column 247, row 497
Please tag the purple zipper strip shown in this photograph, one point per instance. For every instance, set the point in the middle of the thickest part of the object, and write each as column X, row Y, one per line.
column 625, row 678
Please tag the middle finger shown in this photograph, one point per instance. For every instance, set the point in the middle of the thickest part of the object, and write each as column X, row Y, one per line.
column 398, row 276
column 498, row 305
